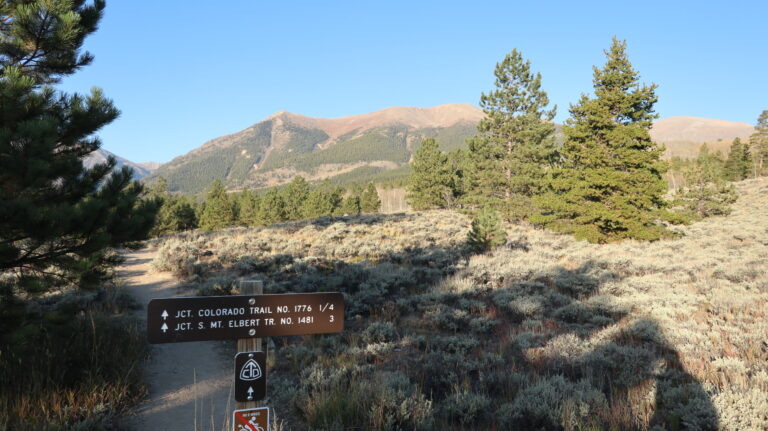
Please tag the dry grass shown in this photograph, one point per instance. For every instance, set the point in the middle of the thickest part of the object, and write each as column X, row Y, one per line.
column 543, row 333
column 70, row 362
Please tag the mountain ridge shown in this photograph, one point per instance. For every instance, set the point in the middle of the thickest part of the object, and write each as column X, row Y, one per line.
column 140, row 170
column 372, row 146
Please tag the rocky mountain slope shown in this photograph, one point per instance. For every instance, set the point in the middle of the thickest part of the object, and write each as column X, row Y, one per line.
column 372, row 147
column 355, row 148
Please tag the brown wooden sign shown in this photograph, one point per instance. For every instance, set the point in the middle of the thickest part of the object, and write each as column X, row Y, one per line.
column 203, row 318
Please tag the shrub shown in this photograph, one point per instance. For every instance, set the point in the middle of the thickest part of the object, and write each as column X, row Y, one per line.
column 705, row 200
column 541, row 405
column 486, row 232
column 379, row 332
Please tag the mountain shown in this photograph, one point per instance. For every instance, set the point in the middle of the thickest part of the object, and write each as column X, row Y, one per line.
column 683, row 136
column 360, row 148
column 140, row 170
column 373, row 147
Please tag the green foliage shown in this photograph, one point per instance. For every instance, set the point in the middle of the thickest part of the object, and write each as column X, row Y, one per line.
column 351, row 205
column 758, row 143
column 271, row 208
column 57, row 217
column 706, row 193
column 176, row 214
column 509, row 158
column 294, row 197
column 739, row 163
column 249, row 204
column 379, row 144
column 609, row 185
column 192, row 173
column 369, row 200
column 703, row 200
column 486, row 232
column 301, row 141
column 219, row 209
column 429, row 185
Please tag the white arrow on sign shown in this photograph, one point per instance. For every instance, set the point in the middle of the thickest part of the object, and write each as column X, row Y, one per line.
column 164, row 315
column 250, row 393
column 164, row 328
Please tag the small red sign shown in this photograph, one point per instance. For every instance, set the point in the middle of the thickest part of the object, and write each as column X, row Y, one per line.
column 256, row 419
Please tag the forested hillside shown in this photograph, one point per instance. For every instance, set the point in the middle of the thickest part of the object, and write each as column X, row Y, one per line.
column 358, row 149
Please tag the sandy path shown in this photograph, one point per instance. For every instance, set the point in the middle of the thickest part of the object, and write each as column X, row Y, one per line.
column 189, row 383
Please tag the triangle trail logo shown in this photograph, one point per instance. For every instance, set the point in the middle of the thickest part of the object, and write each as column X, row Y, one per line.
column 250, row 371
column 250, row 376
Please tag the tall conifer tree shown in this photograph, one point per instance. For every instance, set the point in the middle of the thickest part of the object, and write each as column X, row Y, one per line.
column 610, row 184
column 430, row 181
column 294, row 196
column 57, row 217
column 738, row 165
column 249, row 208
column 271, row 208
column 510, row 156
column 369, row 199
column 219, row 211
column 758, row 144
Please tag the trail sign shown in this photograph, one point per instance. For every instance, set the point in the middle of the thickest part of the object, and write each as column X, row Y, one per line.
column 203, row 318
column 250, row 376
column 251, row 419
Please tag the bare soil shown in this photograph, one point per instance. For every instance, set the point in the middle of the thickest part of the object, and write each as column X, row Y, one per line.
column 189, row 383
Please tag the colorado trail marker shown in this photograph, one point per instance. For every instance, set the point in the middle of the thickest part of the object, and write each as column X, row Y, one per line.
column 250, row 376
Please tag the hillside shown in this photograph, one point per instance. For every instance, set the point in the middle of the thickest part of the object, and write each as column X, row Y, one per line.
column 683, row 136
column 140, row 170
column 545, row 332
column 372, row 147
column 361, row 148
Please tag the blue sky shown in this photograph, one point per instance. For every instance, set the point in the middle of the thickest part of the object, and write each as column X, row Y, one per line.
column 183, row 72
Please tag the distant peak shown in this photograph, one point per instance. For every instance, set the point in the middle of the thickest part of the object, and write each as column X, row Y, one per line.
column 436, row 116
column 280, row 113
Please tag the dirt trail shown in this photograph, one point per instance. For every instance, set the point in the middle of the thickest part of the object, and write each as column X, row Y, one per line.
column 189, row 383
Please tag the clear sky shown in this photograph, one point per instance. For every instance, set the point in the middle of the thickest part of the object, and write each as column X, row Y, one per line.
column 183, row 72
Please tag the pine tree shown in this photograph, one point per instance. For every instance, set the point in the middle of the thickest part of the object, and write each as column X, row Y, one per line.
column 219, row 210
column 249, row 208
column 271, row 208
column 609, row 186
column 458, row 167
column 738, row 165
column 57, row 217
column 294, row 196
column 351, row 205
column 486, row 232
column 758, row 144
column 320, row 203
column 429, row 185
column 369, row 200
column 706, row 193
column 515, row 146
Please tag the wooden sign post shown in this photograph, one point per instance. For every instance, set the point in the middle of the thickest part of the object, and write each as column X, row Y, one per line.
column 249, row 287
column 246, row 317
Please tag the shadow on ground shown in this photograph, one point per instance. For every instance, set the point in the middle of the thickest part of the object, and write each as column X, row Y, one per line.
column 469, row 351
